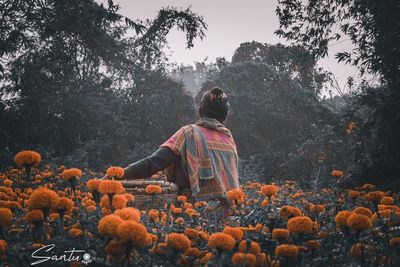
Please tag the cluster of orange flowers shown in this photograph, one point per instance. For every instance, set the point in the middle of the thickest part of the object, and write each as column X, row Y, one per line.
column 28, row 158
column 283, row 223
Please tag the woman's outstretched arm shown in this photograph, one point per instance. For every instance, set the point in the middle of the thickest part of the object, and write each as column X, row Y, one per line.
column 159, row 160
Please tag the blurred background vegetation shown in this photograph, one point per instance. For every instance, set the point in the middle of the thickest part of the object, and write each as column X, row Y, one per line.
column 79, row 89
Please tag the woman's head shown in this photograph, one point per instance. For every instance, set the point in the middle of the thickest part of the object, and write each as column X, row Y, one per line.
column 214, row 104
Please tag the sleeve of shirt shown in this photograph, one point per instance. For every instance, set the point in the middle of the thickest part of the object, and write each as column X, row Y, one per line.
column 159, row 160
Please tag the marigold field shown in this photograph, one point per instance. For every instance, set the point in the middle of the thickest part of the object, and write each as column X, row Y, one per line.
column 276, row 224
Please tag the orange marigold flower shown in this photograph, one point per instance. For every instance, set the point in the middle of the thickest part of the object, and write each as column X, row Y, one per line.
column 108, row 225
column 280, row 234
column 269, row 190
column 208, row 257
column 12, row 205
column 368, row 186
column 315, row 227
column 54, row 216
column 300, row 225
column 43, row 198
column 178, row 242
column 365, row 211
column 128, row 214
column 3, row 246
column 7, row 182
column 191, row 233
column 180, row 221
column 34, row 216
column 187, row 205
column 71, row 173
column 6, row 217
column 153, row 189
column 64, row 205
column 336, row 173
column 387, row 201
column 244, row 259
column 93, row 184
column 199, row 204
column 287, row 251
column 263, row 259
column 249, row 247
column 221, row 241
column 359, row 222
column 354, row 194
column 394, row 241
column 111, row 187
column 313, row 244
column 153, row 237
column 341, row 218
column 192, row 252
column 91, row 208
column 235, row 195
column 176, row 210
column 264, row 203
column 28, row 158
column 115, row 247
column 76, row 232
column 234, row 232
column 181, row 198
column 203, row 235
column 374, row 196
column 115, row 172
column 118, row 201
column 261, row 228
column 133, row 232
column 154, row 215
column 160, row 248
column 319, row 208
column 287, row 212
column 192, row 213
column 361, row 250
column 297, row 195
column 129, row 197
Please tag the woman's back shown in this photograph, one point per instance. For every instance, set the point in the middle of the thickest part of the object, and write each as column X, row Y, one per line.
column 208, row 157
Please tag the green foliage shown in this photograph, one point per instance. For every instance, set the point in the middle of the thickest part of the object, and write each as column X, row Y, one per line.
column 73, row 84
column 372, row 26
column 376, row 146
column 297, row 61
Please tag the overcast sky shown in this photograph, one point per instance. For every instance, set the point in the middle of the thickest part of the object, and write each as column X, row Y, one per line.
column 230, row 23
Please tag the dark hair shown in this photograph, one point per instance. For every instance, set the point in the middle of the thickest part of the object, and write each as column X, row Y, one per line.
column 214, row 104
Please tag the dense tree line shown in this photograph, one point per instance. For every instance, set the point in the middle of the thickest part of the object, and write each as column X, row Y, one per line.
column 75, row 87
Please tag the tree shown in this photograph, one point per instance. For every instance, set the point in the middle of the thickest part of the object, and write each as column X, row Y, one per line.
column 193, row 77
column 274, row 119
column 373, row 29
column 69, row 66
column 297, row 61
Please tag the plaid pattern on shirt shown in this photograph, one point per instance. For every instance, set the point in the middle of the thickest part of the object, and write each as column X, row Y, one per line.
column 208, row 157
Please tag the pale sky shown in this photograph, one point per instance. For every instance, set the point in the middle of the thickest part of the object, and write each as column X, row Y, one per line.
column 230, row 23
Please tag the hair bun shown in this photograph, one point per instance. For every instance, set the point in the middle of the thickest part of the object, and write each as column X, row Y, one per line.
column 216, row 94
column 216, row 91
